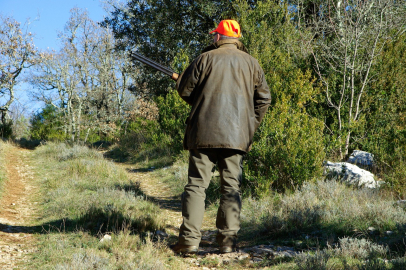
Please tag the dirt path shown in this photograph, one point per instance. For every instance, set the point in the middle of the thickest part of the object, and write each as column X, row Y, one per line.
column 16, row 208
column 159, row 192
column 208, row 256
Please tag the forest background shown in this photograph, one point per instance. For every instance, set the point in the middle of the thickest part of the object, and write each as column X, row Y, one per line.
column 336, row 71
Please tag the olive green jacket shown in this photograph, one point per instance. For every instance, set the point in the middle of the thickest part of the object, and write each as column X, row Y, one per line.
column 229, row 96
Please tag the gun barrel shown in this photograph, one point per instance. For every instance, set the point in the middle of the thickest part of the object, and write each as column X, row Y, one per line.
column 154, row 64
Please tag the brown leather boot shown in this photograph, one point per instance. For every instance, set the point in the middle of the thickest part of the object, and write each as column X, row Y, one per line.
column 184, row 249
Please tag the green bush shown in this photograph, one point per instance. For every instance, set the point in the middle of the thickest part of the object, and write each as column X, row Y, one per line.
column 144, row 140
column 47, row 125
column 287, row 151
column 6, row 129
column 386, row 122
column 288, row 146
column 173, row 112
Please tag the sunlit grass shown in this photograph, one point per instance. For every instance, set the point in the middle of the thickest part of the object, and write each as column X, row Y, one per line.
column 326, row 206
column 84, row 197
column 87, row 196
column 80, row 250
column 3, row 149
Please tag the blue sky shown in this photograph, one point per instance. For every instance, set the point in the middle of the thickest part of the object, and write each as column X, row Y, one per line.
column 48, row 17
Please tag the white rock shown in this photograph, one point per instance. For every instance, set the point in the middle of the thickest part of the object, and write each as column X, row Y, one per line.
column 350, row 174
column 362, row 159
column 243, row 257
column 401, row 203
column 106, row 237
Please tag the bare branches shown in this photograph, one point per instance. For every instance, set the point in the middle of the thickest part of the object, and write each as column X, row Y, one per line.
column 17, row 52
column 350, row 35
column 89, row 76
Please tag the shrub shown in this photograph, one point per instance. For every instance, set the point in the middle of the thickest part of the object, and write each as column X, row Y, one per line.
column 318, row 261
column 287, row 151
column 288, row 146
column 173, row 112
column 360, row 249
column 144, row 140
column 156, row 129
column 6, row 129
column 386, row 122
column 47, row 125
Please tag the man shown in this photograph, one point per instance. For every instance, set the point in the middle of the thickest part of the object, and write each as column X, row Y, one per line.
column 229, row 96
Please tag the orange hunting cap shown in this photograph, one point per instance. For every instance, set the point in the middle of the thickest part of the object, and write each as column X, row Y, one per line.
column 228, row 28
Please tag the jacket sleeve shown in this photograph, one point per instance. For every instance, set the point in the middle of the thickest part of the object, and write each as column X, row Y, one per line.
column 187, row 81
column 262, row 98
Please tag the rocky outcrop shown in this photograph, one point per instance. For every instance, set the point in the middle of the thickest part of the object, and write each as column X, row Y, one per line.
column 350, row 174
column 362, row 159
column 402, row 203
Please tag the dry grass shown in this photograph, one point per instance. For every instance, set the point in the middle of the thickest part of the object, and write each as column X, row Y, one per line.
column 176, row 176
column 351, row 254
column 321, row 216
column 3, row 146
column 328, row 206
column 83, row 189
column 85, row 197
column 79, row 250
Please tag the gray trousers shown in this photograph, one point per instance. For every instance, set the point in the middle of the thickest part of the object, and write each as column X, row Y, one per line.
column 201, row 162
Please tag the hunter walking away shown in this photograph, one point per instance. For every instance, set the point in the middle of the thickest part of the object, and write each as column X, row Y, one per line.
column 229, row 96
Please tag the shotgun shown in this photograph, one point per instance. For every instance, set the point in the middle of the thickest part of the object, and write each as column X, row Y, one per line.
column 149, row 62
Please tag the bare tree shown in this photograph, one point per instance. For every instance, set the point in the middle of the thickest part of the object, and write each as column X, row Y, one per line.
column 17, row 52
column 348, row 37
column 89, row 76
column 18, row 114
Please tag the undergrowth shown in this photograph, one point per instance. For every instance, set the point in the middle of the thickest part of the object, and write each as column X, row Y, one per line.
column 86, row 197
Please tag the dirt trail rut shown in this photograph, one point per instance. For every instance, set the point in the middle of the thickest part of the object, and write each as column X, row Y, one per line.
column 16, row 208
column 158, row 192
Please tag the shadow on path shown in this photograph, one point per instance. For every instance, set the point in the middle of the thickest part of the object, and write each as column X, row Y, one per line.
column 20, row 229
column 172, row 203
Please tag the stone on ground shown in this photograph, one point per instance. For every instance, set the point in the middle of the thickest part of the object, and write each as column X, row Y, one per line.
column 350, row 174
column 362, row 159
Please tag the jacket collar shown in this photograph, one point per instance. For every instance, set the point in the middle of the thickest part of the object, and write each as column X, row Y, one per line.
column 222, row 42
